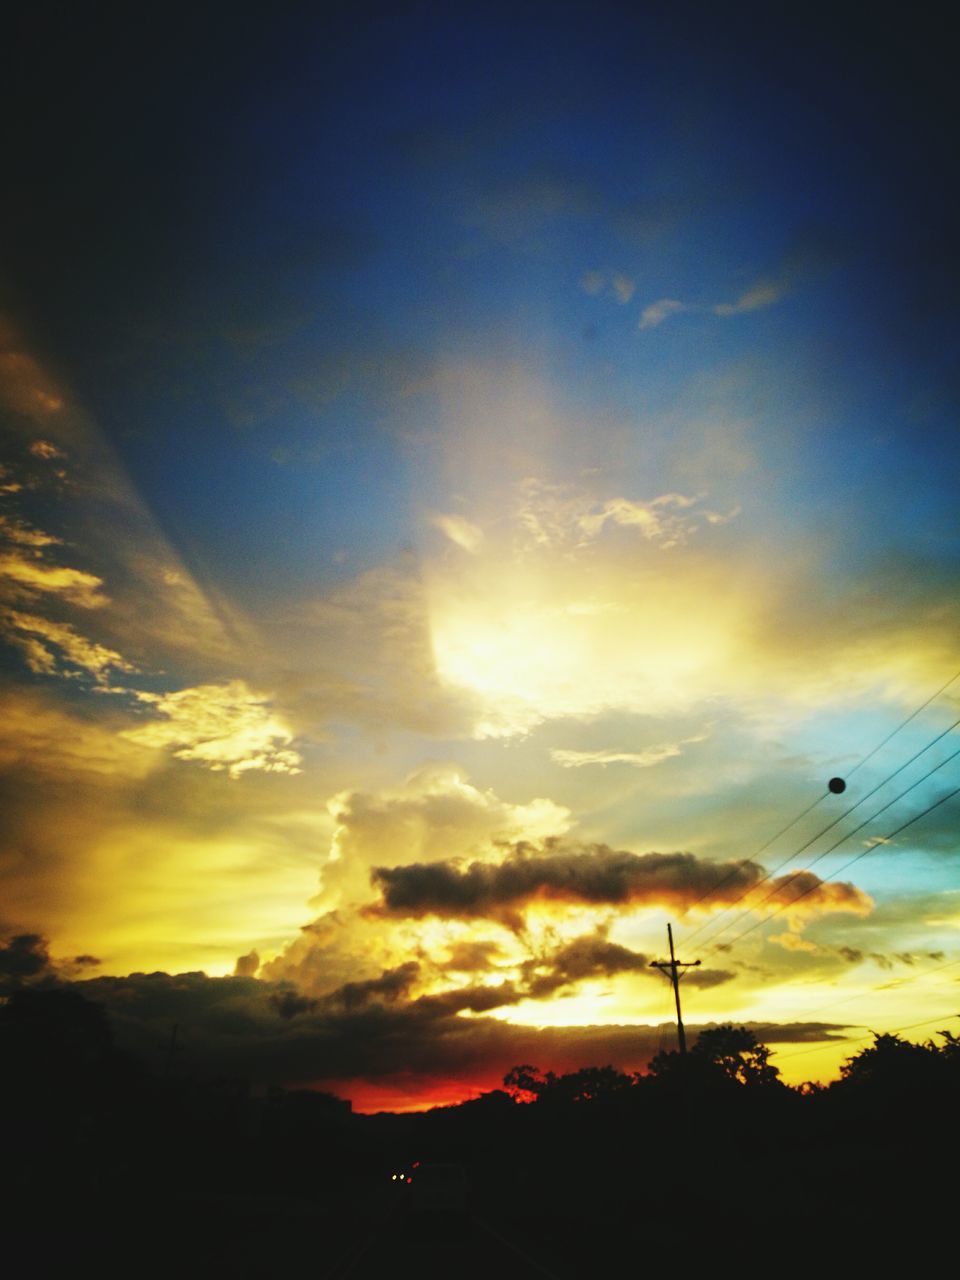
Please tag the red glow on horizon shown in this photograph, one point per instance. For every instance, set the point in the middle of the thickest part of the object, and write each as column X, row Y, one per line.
column 408, row 1095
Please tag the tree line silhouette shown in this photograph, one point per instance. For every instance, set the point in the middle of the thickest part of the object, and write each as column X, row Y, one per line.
column 572, row 1155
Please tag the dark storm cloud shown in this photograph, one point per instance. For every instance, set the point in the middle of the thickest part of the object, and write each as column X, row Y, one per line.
column 23, row 957
column 391, row 985
column 471, row 956
column 706, row 978
column 289, row 1004
column 590, row 956
column 229, row 1026
column 478, row 999
column 557, row 873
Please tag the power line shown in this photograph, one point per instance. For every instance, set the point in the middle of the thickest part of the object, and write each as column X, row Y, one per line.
column 911, row 1026
column 756, row 853
column 809, row 809
column 879, row 986
column 779, row 867
column 923, row 705
column 862, row 854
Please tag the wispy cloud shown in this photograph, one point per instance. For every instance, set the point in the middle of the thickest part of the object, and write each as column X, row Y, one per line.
column 28, row 575
column 458, row 529
column 52, row 648
column 765, row 293
column 637, row 759
column 616, row 284
column 46, row 449
column 659, row 311
column 226, row 727
column 26, row 571
column 554, row 514
column 623, row 287
column 22, row 534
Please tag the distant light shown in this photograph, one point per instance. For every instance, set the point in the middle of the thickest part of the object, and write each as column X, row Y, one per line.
column 837, row 786
column 415, row 1165
column 393, row 1177
column 409, row 1180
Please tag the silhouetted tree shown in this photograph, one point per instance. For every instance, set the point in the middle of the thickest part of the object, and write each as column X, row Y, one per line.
column 527, row 1083
column 892, row 1063
column 588, row 1084
column 721, row 1054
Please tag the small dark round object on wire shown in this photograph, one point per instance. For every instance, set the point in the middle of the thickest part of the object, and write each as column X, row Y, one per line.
column 837, row 785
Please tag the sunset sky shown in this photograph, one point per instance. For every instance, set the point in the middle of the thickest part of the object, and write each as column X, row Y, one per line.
column 470, row 477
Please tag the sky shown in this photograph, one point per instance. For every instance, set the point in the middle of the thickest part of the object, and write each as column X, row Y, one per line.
column 470, row 477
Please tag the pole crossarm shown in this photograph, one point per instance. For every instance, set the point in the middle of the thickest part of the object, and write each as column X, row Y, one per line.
column 674, row 967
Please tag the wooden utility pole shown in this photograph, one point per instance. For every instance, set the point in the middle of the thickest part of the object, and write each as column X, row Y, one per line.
column 673, row 966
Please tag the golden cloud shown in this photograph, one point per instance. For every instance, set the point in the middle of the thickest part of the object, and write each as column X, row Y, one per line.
column 226, row 727
column 30, row 576
column 803, row 896
column 40, row 639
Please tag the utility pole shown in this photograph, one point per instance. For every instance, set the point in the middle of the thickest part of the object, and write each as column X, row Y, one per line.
column 673, row 966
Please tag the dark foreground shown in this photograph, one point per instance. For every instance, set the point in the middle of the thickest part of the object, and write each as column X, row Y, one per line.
column 707, row 1162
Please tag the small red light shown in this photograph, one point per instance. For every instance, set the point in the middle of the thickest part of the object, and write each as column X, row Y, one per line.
column 415, row 1165
column 409, row 1180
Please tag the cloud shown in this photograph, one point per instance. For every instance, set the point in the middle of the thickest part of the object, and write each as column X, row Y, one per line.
column 459, row 530
column 392, row 985
column 25, row 535
column 27, row 573
column 802, row 896
column 623, row 287
column 793, row 942
column 6, row 484
column 362, row 655
column 22, row 957
column 29, row 576
column 289, row 1004
column 55, row 647
column 434, row 814
column 638, row 759
column 551, row 515
column 657, row 520
column 589, row 956
column 247, row 966
column 657, row 312
column 806, row 261
column 385, row 1051
column 555, row 873
column 472, row 955
column 707, row 978
column 222, row 726
column 764, row 293
column 583, row 602
column 46, row 449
